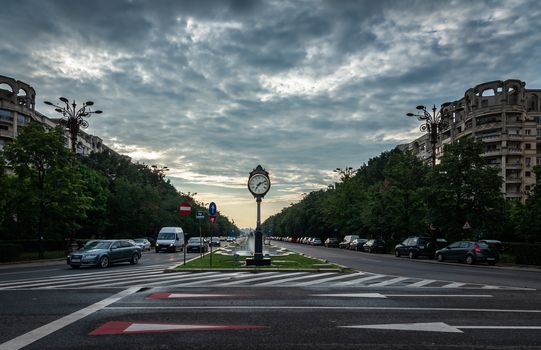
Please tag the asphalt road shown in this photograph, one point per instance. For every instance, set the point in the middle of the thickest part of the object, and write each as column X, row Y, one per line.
column 137, row 307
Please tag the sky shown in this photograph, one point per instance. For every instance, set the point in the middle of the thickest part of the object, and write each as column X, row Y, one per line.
column 211, row 89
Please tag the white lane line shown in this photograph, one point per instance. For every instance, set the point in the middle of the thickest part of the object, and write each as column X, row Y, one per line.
column 378, row 295
column 86, row 276
column 389, row 282
column 38, row 333
column 222, row 277
column 359, row 280
column 344, row 308
column 453, row 285
column 421, row 283
column 280, row 281
column 261, row 276
column 127, row 281
column 323, row 280
column 196, row 276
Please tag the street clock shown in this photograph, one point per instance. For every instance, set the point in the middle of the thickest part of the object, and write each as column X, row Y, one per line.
column 259, row 182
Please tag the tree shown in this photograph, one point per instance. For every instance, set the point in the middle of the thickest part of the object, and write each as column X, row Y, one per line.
column 464, row 188
column 49, row 197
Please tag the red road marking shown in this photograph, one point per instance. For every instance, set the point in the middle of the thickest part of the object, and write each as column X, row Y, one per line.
column 116, row 327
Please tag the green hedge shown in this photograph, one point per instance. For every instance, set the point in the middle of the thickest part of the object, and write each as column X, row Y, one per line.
column 525, row 253
column 10, row 251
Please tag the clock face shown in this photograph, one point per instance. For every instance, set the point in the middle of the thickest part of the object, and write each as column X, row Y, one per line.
column 259, row 184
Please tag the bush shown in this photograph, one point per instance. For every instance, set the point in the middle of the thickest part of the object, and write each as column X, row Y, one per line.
column 10, row 251
column 32, row 245
column 525, row 253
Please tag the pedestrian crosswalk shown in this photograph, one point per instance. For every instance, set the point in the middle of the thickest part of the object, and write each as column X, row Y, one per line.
column 154, row 276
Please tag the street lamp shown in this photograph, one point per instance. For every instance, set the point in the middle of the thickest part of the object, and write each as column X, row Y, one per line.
column 433, row 124
column 73, row 117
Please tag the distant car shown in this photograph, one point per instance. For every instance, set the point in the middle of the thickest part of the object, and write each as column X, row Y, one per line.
column 357, row 244
column 142, row 243
column 231, row 239
column 316, row 241
column 105, row 253
column 375, row 246
column 197, row 245
column 414, row 247
column 347, row 240
column 331, row 242
column 214, row 241
column 469, row 252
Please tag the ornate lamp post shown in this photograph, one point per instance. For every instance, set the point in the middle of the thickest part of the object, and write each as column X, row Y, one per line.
column 73, row 117
column 433, row 124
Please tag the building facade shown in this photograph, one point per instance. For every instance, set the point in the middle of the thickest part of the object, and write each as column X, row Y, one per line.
column 506, row 117
column 17, row 108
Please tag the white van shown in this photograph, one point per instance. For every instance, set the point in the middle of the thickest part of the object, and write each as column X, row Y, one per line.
column 170, row 239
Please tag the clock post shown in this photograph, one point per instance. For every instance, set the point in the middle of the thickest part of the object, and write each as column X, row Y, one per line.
column 258, row 185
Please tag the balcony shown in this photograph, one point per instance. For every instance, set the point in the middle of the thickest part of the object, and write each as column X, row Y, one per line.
column 514, row 150
column 6, row 133
column 514, row 165
column 513, row 179
column 492, row 152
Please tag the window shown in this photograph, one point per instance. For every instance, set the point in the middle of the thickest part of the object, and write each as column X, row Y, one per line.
column 528, row 173
column 527, row 188
column 5, row 115
column 527, row 146
column 21, row 119
column 527, row 132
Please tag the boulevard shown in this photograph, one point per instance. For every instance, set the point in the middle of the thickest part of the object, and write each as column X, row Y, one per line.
column 384, row 303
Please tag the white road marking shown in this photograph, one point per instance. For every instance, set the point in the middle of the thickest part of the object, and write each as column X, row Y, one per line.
column 453, row 285
column 318, row 281
column 38, row 333
column 421, row 283
column 359, row 280
column 344, row 308
column 433, row 327
column 280, row 281
column 389, row 282
column 222, row 277
column 261, row 276
column 379, row 295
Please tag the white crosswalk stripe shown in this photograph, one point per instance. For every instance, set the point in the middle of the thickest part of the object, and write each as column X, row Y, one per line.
column 154, row 276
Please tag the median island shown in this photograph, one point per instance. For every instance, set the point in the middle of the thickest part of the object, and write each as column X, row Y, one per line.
column 281, row 259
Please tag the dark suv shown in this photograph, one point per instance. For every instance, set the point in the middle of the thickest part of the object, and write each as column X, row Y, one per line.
column 414, row 247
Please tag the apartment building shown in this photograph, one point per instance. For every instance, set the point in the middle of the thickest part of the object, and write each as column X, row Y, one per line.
column 507, row 118
column 17, row 108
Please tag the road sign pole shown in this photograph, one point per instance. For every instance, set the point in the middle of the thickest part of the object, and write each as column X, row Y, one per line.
column 184, row 248
column 200, row 241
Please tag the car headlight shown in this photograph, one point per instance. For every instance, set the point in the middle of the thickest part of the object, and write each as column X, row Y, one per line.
column 91, row 255
column 171, row 244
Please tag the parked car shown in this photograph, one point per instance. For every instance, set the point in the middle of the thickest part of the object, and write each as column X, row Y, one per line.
column 316, row 241
column 143, row 243
column 494, row 243
column 332, row 242
column 414, row 247
column 105, row 253
column 469, row 252
column 375, row 246
column 230, row 239
column 197, row 245
column 357, row 244
column 347, row 240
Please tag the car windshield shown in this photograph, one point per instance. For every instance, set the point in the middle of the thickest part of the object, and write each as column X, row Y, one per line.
column 90, row 244
column 139, row 240
column 102, row 245
column 195, row 240
column 166, row 235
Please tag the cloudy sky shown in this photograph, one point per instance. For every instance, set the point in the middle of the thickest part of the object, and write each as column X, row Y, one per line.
column 211, row 89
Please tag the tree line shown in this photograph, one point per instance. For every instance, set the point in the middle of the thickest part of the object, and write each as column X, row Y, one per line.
column 396, row 195
column 49, row 193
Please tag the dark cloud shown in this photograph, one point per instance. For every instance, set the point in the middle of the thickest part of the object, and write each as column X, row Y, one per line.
column 212, row 88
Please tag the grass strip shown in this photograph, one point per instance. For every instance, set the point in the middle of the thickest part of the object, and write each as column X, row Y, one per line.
column 291, row 261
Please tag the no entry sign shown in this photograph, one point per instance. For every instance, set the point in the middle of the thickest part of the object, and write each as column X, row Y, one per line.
column 185, row 208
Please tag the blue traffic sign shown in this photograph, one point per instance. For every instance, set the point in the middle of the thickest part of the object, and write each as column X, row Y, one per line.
column 212, row 208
